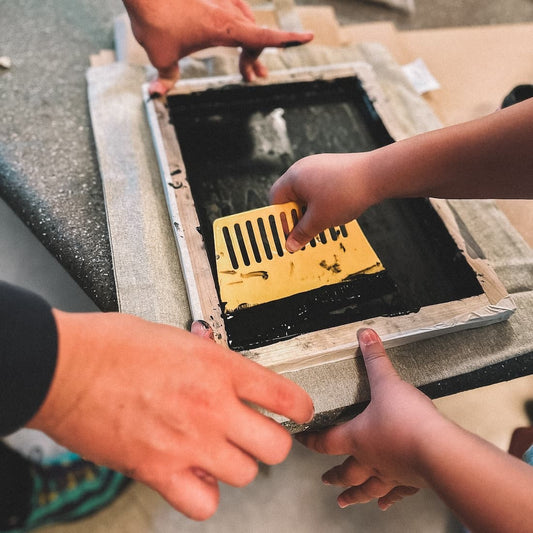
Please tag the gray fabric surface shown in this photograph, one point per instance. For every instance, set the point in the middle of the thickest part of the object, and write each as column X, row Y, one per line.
column 150, row 286
column 145, row 259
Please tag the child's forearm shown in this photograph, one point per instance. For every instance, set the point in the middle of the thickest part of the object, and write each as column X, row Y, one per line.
column 491, row 157
column 488, row 489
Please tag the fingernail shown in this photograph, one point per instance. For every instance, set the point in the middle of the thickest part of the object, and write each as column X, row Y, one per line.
column 157, row 88
column 367, row 336
column 325, row 480
column 292, row 246
column 205, row 325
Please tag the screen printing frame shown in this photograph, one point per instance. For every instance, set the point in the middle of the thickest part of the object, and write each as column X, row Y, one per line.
column 334, row 343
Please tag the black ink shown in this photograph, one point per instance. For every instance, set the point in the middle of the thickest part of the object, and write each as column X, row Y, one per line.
column 230, row 142
column 290, row 44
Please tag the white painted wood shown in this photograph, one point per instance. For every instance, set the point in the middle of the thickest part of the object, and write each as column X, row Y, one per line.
column 332, row 344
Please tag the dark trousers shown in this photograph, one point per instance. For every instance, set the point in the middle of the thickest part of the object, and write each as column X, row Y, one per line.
column 15, row 487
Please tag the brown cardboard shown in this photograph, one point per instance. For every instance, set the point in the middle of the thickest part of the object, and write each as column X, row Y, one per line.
column 476, row 68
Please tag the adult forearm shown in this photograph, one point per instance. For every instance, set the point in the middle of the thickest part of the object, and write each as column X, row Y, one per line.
column 491, row 157
column 488, row 489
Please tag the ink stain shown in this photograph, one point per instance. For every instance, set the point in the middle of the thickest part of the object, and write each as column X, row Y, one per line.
column 257, row 273
column 175, row 185
column 335, row 267
column 290, row 44
column 176, row 171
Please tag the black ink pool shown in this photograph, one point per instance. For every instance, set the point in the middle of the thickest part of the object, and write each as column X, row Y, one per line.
column 237, row 140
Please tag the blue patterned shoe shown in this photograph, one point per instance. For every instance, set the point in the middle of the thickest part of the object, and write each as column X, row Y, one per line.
column 68, row 488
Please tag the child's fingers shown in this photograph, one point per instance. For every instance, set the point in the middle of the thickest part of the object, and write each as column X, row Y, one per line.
column 395, row 495
column 377, row 362
column 336, row 440
column 302, row 233
column 348, row 474
column 372, row 488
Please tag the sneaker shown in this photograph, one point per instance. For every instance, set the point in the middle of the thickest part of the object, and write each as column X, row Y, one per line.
column 68, row 488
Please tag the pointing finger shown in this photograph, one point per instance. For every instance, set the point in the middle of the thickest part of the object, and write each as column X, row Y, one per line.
column 249, row 35
column 256, row 384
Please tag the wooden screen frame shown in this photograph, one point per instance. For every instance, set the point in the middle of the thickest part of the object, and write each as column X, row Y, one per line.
column 335, row 343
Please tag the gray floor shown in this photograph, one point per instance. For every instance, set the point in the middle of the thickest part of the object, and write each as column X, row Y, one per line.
column 290, row 497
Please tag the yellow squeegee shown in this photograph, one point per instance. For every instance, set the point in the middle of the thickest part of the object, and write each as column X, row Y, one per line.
column 254, row 267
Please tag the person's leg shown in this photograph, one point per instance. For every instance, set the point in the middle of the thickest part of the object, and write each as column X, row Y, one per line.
column 62, row 490
column 16, row 487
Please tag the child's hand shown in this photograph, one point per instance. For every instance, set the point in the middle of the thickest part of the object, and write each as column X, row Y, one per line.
column 385, row 441
column 332, row 186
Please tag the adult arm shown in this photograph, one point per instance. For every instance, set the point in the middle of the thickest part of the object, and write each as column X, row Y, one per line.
column 172, row 29
column 401, row 443
column 491, row 157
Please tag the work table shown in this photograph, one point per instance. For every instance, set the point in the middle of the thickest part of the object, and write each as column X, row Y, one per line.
column 48, row 163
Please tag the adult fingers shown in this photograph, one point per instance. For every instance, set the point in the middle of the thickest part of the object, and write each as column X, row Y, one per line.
column 167, row 78
column 372, row 488
column 250, row 66
column 227, row 462
column 201, row 328
column 258, row 436
column 193, row 492
column 395, row 495
column 378, row 365
column 332, row 441
column 249, row 35
column 245, row 9
column 263, row 387
column 347, row 474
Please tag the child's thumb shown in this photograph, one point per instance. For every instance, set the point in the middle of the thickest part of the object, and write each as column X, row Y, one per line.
column 377, row 362
column 301, row 234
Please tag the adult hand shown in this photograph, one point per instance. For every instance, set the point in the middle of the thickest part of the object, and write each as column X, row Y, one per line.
column 331, row 186
column 383, row 442
column 165, row 407
column 171, row 29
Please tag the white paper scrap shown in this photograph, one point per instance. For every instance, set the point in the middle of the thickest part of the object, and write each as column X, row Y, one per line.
column 420, row 77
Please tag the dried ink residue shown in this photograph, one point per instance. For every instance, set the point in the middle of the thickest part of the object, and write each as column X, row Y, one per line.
column 237, row 140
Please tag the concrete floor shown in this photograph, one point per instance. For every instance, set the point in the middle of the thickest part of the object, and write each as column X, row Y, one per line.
column 290, row 497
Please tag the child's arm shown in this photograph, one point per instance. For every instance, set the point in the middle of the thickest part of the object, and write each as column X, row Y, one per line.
column 401, row 442
column 491, row 157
